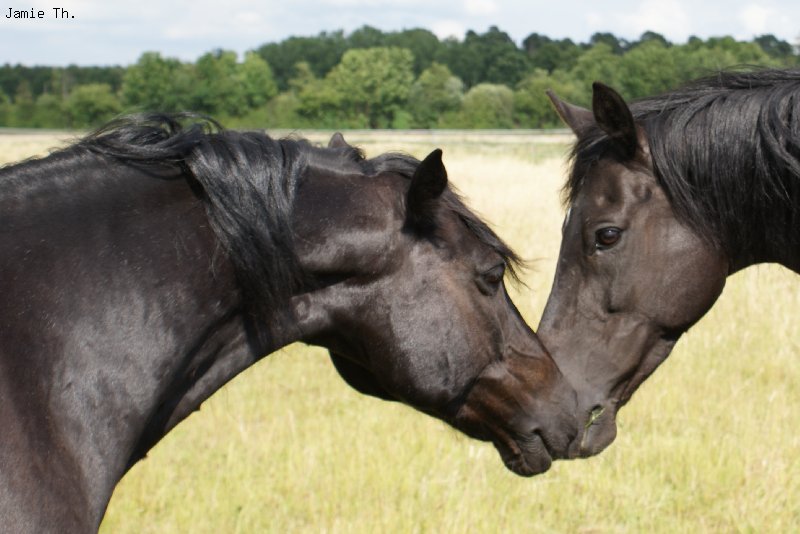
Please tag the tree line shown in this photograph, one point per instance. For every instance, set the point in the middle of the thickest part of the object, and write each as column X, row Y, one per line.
column 375, row 79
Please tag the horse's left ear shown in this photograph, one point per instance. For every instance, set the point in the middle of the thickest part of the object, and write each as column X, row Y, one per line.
column 427, row 185
column 614, row 117
column 580, row 120
column 337, row 141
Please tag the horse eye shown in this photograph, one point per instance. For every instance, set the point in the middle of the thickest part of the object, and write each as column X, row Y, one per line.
column 490, row 280
column 607, row 237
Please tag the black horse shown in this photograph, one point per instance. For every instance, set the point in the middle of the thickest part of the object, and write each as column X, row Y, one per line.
column 666, row 199
column 145, row 266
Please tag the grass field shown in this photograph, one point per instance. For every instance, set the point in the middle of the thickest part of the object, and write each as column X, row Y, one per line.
column 711, row 443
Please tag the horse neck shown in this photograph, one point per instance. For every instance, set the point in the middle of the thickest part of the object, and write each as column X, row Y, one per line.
column 775, row 240
column 212, row 336
column 141, row 321
column 725, row 149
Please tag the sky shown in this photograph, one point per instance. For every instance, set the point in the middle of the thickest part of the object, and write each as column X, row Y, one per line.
column 103, row 32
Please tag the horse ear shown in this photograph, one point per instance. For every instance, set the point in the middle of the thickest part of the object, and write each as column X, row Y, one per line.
column 337, row 141
column 577, row 118
column 427, row 185
column 614, row 116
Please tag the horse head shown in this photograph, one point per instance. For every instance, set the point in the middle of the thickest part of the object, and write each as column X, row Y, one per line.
column 409, row 297
column 631, row 276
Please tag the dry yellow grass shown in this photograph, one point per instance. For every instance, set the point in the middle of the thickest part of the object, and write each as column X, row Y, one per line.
column 709, row 443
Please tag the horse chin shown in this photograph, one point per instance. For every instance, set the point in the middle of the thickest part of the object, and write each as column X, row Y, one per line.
column 525, row 457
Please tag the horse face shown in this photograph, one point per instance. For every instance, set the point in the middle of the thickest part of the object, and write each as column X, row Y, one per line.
column 631, row 278
column 415, row 310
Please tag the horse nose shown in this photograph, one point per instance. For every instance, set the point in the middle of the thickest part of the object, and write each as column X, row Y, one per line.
column 560, row 425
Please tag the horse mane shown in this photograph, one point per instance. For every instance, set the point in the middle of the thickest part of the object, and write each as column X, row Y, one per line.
column 726, row 149
column 247, row 182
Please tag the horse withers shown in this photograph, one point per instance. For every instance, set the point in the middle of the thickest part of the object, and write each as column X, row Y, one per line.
column 666, row 198
column 148, row 264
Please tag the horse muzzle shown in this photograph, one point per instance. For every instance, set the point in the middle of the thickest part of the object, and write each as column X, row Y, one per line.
column 598, row 432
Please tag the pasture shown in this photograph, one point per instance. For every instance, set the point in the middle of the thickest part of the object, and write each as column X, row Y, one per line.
column 710, row 443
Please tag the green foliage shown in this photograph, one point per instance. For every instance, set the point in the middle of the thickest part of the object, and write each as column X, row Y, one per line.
column 648, row 68
column 598, row 63
column 532, row 107
column 218, row 89
column 321, row 53
column 376, row 79
column 50, row 112
column 489, row 57
column 488, row 106
column 24, row 108
column 774, row 47
column 703, row 58
column 318, row 102
column 422, row 44
column 614, row 44
column 91, row 104
column 5, row 110
column 155, row 83
column 545, row 53
column 373, row 83
column 257, row 81
column 435, row 93
column 282, row 112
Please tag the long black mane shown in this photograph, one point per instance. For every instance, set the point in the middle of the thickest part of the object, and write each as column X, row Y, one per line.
column 245, row 179
column 726, row 149
column 247, row 182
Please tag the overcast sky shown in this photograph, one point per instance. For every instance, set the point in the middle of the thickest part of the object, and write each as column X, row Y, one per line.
column 103, row 32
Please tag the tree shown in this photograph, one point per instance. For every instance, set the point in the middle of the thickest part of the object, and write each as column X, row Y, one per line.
column 649, row 37
column 321, row 53
column 435, row 93
column 534, row 42
column 5, row 110
column 547, row 54
column 317, row 100
column 599, row 63
column 155, row 83
column 615, row 44
column 366, row 37
column 49, row 112
column 257, row 81
column 373, row 83
column 647, row 69
column 91, row 104
column 774, row 47
column 488, row 106
column 532, row 107
column 489, row 57
column 718, row 53
column 218, row 88
column 24, row 108
column 423, row 44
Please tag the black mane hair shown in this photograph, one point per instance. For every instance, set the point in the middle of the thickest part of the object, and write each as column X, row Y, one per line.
column 405, row 165
column 726, row 149
column 247, row 181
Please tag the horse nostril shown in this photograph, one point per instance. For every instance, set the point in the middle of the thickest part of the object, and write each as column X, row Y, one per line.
column 594, row 415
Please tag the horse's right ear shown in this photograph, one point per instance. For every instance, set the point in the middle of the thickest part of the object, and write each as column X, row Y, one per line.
column 579, row 119
column 615, row 118
column 337, row 141
column 427, row 185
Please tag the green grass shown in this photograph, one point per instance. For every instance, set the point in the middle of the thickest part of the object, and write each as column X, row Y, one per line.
column 710, row 443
